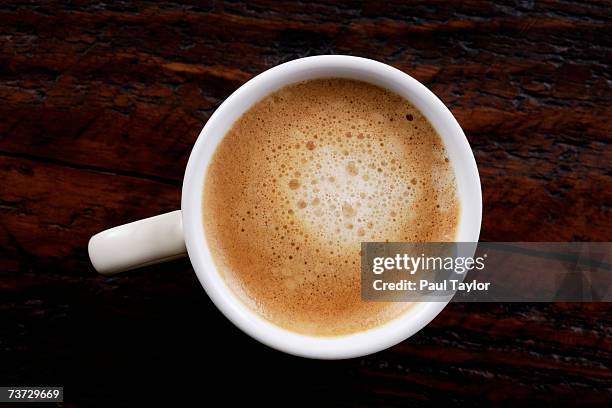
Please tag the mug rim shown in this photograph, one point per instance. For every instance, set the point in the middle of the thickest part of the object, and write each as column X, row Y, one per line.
column 334, row 347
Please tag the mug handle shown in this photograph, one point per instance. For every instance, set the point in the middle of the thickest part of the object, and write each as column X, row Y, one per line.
column 139, row 243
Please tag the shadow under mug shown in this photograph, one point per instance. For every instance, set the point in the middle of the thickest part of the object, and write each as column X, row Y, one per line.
column 175, row 234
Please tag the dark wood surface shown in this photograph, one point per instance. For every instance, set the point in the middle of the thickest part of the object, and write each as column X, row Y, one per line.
column 101, row 103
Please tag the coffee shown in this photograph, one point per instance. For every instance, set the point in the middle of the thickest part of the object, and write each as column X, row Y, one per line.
column 302, row 178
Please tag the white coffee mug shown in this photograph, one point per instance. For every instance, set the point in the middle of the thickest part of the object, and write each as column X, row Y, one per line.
column 175, row 234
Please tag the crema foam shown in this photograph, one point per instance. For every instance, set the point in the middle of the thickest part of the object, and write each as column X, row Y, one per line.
column 302, row 178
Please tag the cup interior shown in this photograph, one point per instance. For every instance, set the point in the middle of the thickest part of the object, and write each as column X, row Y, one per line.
column 458, row 150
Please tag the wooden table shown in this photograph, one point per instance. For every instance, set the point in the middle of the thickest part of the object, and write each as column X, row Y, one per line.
column 101, row 104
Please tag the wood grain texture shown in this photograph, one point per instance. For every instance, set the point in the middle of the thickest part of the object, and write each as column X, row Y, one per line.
column 101, row 103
